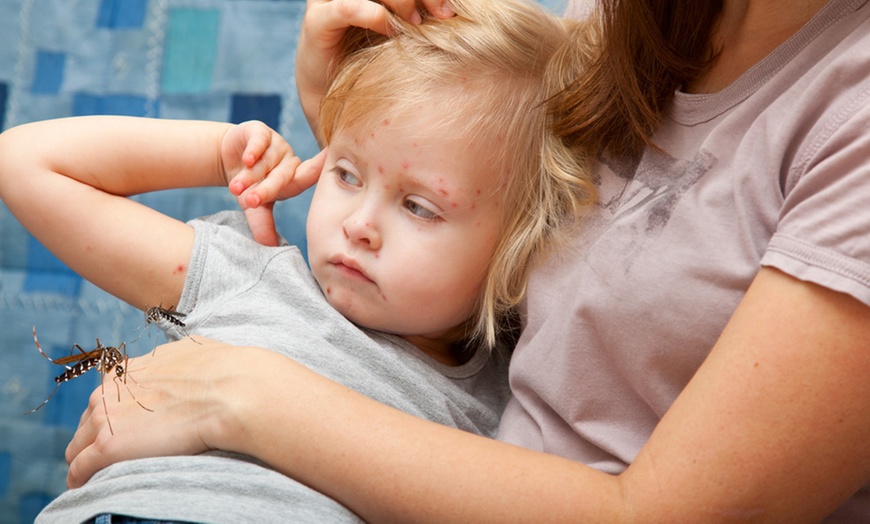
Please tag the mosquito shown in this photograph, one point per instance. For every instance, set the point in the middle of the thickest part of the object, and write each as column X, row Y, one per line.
column 155, row 314
column 104, row 358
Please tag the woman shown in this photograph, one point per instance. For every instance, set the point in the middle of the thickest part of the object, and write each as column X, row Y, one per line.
column 701, row 353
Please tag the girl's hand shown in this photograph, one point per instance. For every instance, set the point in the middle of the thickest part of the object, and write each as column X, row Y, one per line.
column 261, row 168
column 186, row 385
column 322, row 30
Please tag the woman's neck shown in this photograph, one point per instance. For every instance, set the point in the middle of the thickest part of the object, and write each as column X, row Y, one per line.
column 747, row 31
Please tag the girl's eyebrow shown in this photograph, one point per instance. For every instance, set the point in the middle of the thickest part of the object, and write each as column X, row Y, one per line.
column 441, row 188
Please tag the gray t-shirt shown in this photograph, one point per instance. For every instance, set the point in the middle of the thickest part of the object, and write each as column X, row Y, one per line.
column 772, row 171
column 240, row 292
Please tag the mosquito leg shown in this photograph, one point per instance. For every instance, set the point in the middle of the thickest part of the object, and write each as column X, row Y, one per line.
column 44, row 402
column 106, row 408
column 130, row 391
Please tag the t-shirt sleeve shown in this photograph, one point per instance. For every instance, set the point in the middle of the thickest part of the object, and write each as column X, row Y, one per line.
column 823, row 234
column 223, row 251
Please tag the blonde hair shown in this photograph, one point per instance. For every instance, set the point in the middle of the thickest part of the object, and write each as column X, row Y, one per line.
column 492, row 58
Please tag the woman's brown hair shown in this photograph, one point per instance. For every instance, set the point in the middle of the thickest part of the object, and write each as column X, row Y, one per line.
column 647, row 49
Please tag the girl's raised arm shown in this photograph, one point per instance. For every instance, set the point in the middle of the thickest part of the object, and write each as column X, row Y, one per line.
column 67, row 181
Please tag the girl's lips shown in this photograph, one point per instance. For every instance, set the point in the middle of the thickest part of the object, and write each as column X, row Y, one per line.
column 349, row 268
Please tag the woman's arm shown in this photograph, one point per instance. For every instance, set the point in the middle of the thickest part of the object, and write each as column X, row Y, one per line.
column 773, row 427
column 67, row 181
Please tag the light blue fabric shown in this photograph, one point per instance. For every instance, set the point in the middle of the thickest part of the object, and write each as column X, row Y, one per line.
column 227, row 60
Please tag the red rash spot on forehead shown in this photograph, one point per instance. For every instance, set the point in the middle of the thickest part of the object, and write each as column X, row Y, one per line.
column 386, row 121
column 406, row 164
column 442, row 190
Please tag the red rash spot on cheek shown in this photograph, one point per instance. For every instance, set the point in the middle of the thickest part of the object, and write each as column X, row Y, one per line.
column 405, row 164
column 328, row 290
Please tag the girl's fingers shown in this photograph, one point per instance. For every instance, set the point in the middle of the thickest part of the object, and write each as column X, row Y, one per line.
column 257, row 144
column 288, row 179
column 262, row 223
column 276, row 163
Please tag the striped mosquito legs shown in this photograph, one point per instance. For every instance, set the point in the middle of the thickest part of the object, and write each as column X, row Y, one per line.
column 77, row 363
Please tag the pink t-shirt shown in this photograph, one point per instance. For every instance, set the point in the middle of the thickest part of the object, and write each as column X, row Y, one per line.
column 772, row 171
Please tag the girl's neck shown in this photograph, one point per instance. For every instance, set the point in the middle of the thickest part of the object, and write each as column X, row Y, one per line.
column 747, row 31
column 441, row 350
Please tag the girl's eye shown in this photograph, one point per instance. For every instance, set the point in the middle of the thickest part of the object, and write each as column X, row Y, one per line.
column 346, row 176
column 418, row 210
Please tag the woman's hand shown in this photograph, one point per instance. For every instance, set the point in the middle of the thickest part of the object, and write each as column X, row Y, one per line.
column 261, row 168
column 183, row 392
column 324, row 26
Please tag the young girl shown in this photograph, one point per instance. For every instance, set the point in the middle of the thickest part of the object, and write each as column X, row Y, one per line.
column 420, row 233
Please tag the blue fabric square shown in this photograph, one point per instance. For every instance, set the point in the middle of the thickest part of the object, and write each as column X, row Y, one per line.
column 48, row 76
column 31, row 504
column 4, row 90
column 189, row 58
column 5, row 470
column 128, row 105
column 256, row 107
column 121, row 14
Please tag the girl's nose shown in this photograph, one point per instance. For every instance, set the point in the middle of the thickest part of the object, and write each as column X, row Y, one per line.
column 359, row 229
